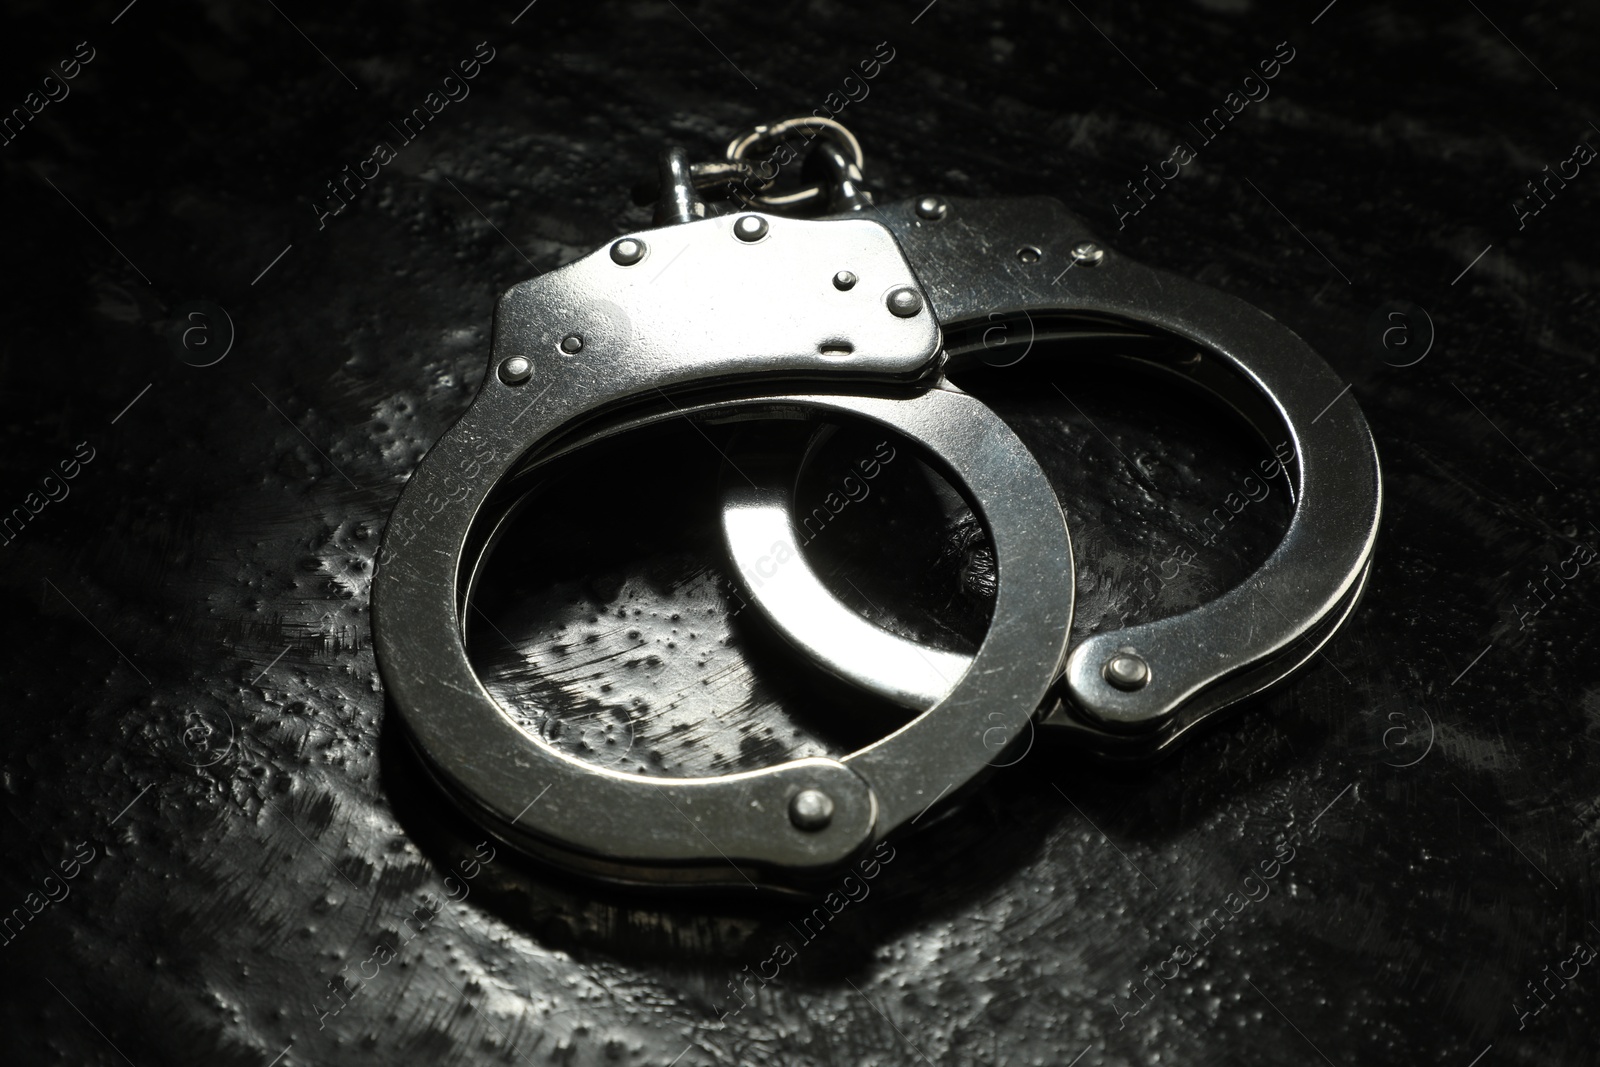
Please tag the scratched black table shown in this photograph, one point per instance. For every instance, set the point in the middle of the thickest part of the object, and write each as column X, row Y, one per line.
column 252, row 253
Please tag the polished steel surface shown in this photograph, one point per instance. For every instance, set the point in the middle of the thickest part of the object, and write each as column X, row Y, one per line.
column 706, row 308
column 809, row 196
column 778, row 580
column 967, row 254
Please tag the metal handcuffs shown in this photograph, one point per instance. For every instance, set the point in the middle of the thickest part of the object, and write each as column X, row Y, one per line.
column 753, row 314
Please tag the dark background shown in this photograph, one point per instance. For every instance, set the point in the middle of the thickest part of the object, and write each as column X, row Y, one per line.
column 190, row 688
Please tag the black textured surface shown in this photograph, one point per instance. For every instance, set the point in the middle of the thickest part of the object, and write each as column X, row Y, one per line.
column 190, row 687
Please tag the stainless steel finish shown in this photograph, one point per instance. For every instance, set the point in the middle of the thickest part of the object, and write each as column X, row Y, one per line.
column 1195, row 663
column 1127, row 671
column 750, row 228
column 734, row 307
column 1272, row 377
column 625, row 826
column 627, row 252
column 516, row 370
column 847, row 191
column 763, row 546
column 811, row 809
column 730, row 312
column 905, row 302
column 1076, row 729
column 1088, row 254
column 679, row 202
column 704, row 175
column 763, row 138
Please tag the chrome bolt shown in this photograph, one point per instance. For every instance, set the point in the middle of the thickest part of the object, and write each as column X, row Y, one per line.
column 572, row 344
column 932, row 208
column 811, row 809
column 905, row 302
column 1088, row 254
column 516, row 370
column 844, row 281
column 1126, row 670
column 750, row 228
column 627, row 252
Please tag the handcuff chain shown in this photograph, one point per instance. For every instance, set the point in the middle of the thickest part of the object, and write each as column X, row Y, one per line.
column 748, row 180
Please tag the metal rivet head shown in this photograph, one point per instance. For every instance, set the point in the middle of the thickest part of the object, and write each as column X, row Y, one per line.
column 905, row 302
column 516, row 370
column 1088, row 254
column 1126, row 670
column 1028, row 254
column 932, row 208
column 572, row 344
column 811, row 809
column 627, row 252
column 844, row 280
column 750, row 228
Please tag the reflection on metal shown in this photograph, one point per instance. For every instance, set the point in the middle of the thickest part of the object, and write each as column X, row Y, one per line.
column 717, row 318
column 1194, row 664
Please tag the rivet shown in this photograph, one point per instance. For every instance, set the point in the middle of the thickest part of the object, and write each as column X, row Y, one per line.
column 516, row 370
column 750, row 228
column 905, row 302
column 1088, row 254
column 811, row 809
column 572, row 344
column 627, row 252
column 1028, row 254
column 932, row 208
column 1126, row 670
column 844, row 280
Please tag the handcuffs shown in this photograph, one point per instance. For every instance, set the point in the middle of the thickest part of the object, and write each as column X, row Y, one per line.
column 854, row 315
